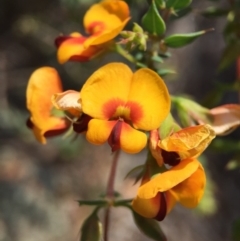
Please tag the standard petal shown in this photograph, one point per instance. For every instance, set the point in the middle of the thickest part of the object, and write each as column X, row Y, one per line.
column 68, row 100
column 189, row 142
column 43, row 83
column 116, row 7
column 99, row 130
column 169, row 179
column 226, row 118
column 149, row 90
column 190, row 191
column 105, row 90
column 131, row 140
column 147, row 208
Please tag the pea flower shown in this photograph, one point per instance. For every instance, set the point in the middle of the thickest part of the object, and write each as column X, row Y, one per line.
column 43, row 83
column 183, row 183
column 123, row 105
column 103, row 22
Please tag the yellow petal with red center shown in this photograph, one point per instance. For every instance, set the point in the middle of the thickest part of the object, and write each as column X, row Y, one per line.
column 190, row 191
column 147, row 208
column 105, row 90
column 169, row 179
column 226, row 118
column 105, row 21
column 189, row 142
column 68, row 100
column 150, row 92
column 131, row 140
column 99, row 130
column 43, row 83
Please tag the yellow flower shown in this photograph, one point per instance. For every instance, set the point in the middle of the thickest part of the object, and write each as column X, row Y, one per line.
column 103, row 22
column 189, row 142
column 43, row 83
column 183, row 183
column 121, row 102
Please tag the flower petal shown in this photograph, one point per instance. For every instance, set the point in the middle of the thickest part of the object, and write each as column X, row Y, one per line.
column 131, row 140
column 117, row 7
column 225, row 118
column 68, row 100
column 99, row 131
column 43, row 83
column 73, row 48
column 105, row 90
column 105, row 21
column 149, row 90
column 188, row 142
column 169, row 179
column 147, row 208
column 190, row 191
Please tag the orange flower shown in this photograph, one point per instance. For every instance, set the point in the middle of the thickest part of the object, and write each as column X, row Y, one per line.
column 186, row 143
column 43, row 83
column 121, row 102
column 103, row 22
column 183, row 183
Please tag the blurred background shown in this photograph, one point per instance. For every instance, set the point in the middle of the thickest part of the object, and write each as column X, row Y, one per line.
column 40, row 184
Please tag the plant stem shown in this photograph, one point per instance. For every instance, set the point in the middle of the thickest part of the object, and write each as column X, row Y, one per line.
column 110, row 192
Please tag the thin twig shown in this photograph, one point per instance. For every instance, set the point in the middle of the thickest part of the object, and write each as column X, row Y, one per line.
column 110, row 192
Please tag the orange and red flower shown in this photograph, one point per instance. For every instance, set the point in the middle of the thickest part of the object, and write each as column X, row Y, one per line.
column 43, row 83
column 122, row 103
column 103, row 22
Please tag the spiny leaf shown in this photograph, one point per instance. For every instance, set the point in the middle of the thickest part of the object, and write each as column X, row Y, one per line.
column 179, row 40
column 153, row 22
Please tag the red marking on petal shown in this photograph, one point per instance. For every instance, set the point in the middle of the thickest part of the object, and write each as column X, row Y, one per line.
column 110, row 107
column 29, row 123
column 57, row 132
column 114, row 138
column 170, row 157
column 81, row 124
column 96, row 28
column 136, row 111
column 59, row 40
column 163, row 207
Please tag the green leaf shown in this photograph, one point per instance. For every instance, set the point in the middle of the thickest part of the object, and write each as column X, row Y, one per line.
column 168, row 126
column 153, row 22
column 149, row 227
column 137, row 171
column 230, row 54
column 164, row 72
column 182, row 4
column 179, row 40
column 171, row 3
column 160, row 3
column 178, row 4
column 215, row 12
column 123, row 202
column 92, row 228
column 157, row 58
column 93, row 202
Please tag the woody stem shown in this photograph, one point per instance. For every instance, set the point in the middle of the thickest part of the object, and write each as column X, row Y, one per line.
column 110, row 192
